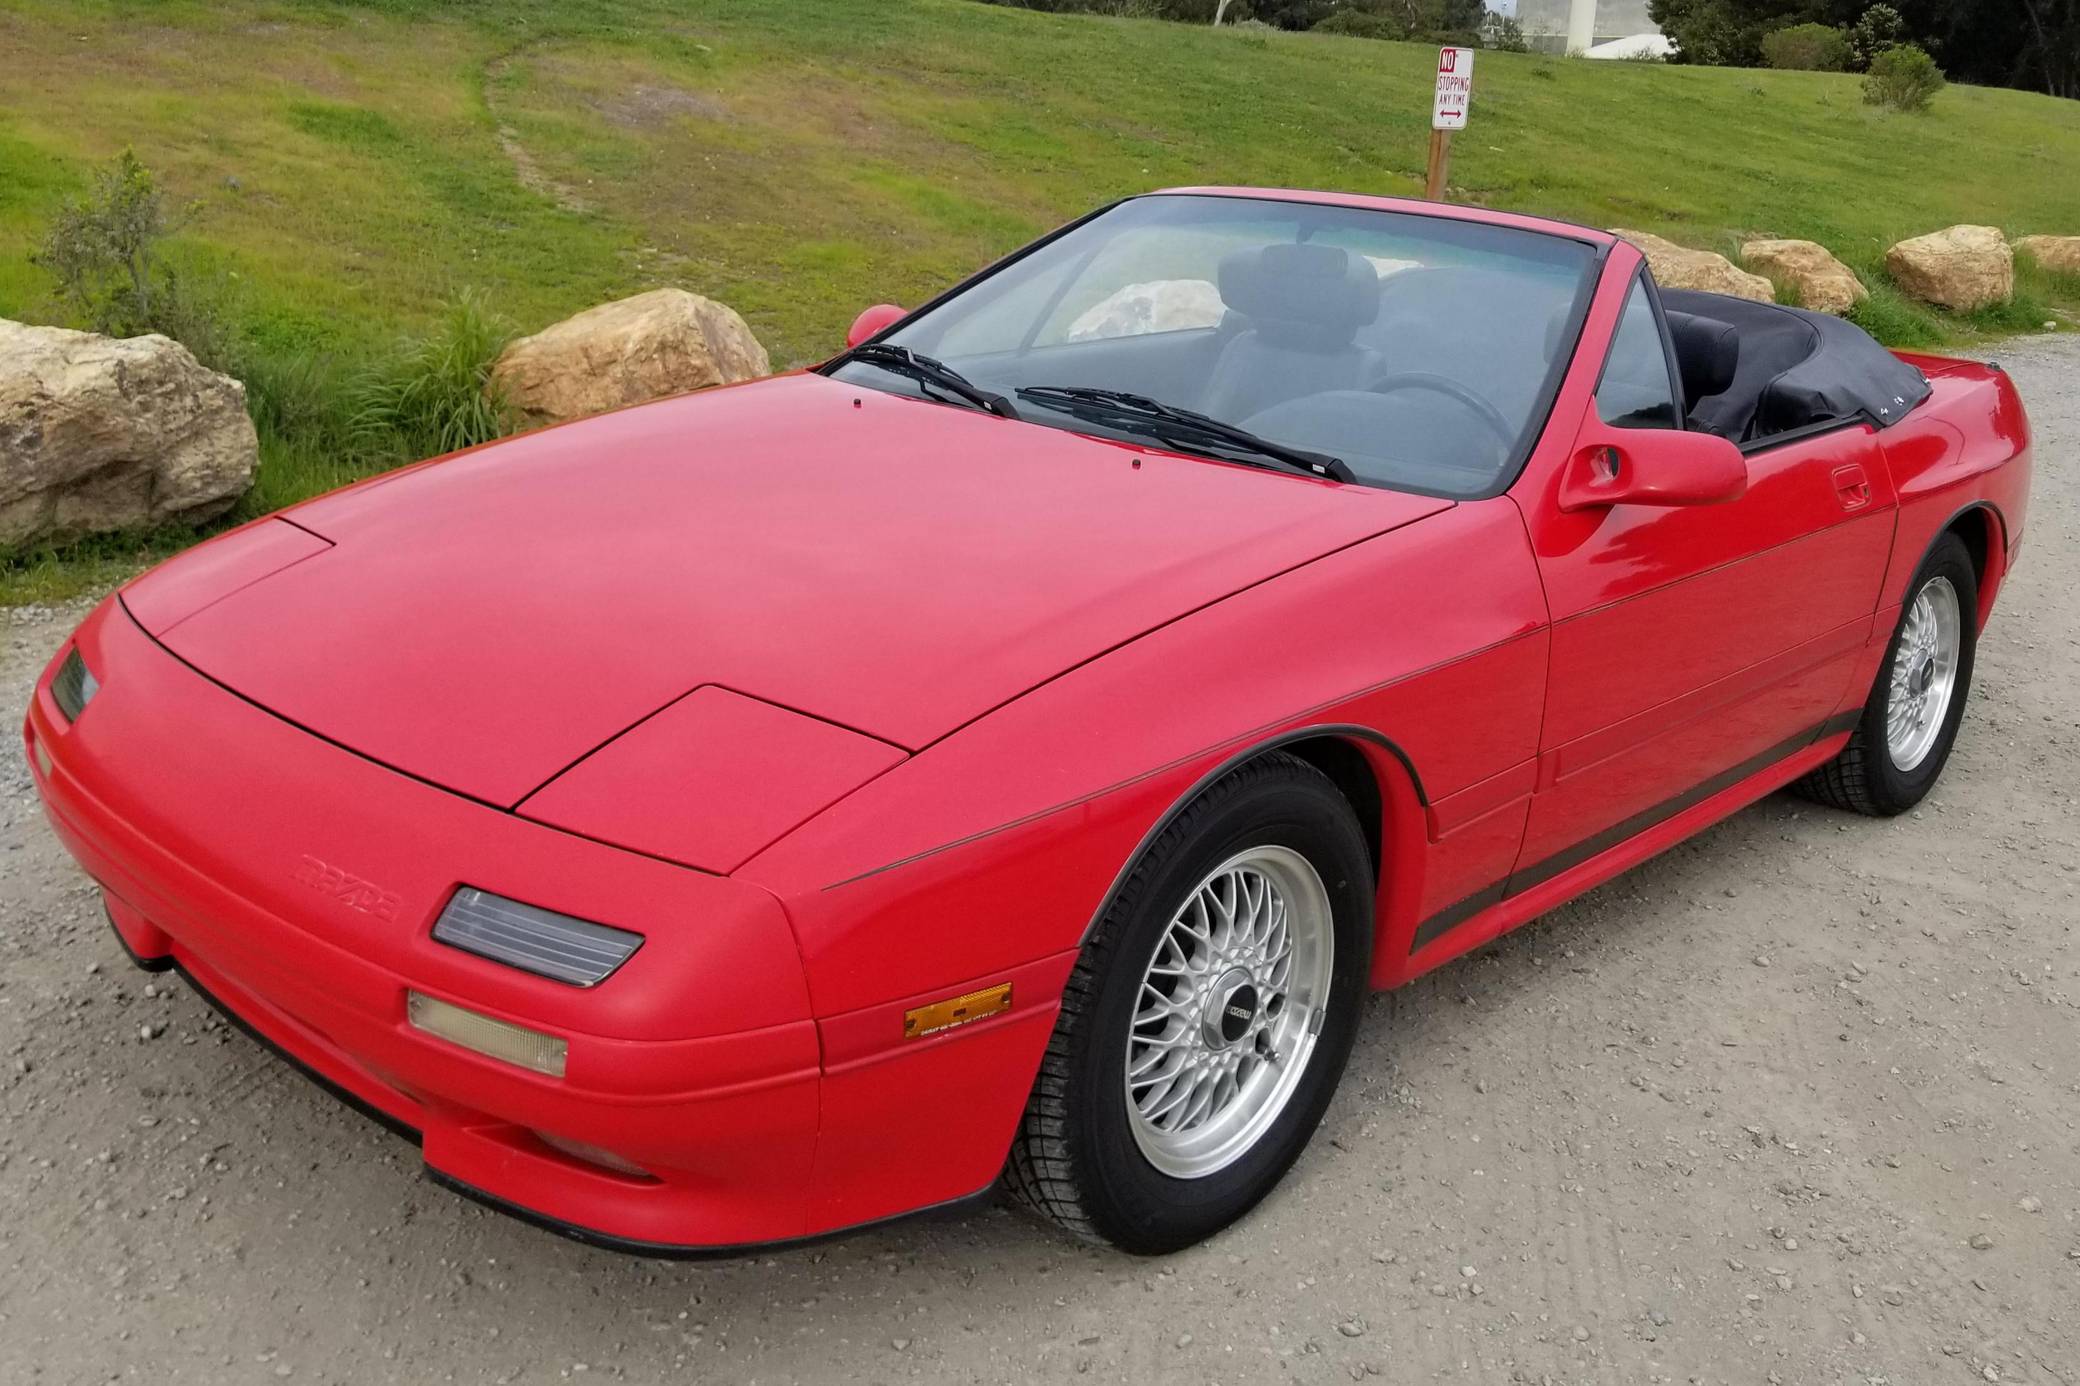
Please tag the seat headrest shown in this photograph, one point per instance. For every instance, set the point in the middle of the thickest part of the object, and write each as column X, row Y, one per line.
column 1708, row 352
column 1314, row 294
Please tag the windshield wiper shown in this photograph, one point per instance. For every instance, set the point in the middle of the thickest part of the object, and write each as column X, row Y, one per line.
column 929, row 370
column 1167, row 421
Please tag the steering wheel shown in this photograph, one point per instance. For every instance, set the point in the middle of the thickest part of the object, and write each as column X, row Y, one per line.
column 1450, row 389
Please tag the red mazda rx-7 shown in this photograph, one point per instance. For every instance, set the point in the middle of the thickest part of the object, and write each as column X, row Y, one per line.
column 1005, row 756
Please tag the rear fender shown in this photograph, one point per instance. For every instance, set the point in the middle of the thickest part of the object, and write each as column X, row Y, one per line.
column 1961, row 460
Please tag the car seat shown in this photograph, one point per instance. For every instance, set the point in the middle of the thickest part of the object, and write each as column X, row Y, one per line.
column 1301, row 306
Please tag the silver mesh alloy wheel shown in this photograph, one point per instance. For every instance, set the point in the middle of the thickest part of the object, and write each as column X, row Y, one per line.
column 1228, row 1011
column 1924, row 674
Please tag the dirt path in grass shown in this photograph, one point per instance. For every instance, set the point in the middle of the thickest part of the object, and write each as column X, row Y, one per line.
column 1799, row 1102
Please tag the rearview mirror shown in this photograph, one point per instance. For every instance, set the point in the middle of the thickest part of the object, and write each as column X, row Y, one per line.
column 873, row 323
column 1652, row 466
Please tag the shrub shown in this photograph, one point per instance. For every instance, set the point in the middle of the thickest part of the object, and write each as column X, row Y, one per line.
column 1903, row 78
column 105, row 253
column 1192, row 11
column 435, row 395
column 1807, row 48
column 1882, row 28
column 1361, row 24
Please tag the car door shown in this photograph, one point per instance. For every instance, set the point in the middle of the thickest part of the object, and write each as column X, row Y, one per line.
column 1691, row 645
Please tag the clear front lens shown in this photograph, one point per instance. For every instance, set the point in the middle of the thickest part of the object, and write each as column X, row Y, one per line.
column 74, row 687
column 534, row 940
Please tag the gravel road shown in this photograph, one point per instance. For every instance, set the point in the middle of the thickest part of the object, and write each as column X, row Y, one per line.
column 1798, row 1102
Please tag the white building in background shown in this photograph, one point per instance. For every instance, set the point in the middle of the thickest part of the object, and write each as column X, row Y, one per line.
column 1557, row 26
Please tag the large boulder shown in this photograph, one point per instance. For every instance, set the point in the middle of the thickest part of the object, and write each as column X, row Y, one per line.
column 1154, row 305
column 100, row 435
column 664, row 342
column 1823, row 283
column 1963, row 268
column 1679, row 267
column 2059, row 254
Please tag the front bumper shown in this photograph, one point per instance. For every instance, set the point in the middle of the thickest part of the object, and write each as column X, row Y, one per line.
column 698, row 1061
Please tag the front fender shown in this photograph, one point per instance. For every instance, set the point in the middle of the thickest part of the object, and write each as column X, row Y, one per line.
column 995, row 846
column 984, row 858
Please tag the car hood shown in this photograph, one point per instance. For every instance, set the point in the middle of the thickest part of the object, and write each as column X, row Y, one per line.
column 891, row 566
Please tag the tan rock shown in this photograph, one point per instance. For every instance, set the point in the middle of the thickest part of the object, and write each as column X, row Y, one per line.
column 1156, row 305
column 1963, row 268
column 1823, row 283
column 2059, row 254
column 1679, row 267
column 661, row 343
column 100, row 435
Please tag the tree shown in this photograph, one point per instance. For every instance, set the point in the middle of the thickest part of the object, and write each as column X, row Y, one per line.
column 2054, row 25
column 2008, row 43
column 1729, row 33
column 1881, row 27
column 1504, row 34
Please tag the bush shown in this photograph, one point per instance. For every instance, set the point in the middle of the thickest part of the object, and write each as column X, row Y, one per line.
column 1191, row 11
column 1807, row 48
column 105, row 253
column 1903, row 78
column 435, row 395
column 1361, row 24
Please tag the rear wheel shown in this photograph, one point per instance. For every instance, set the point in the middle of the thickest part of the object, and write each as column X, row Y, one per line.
column 1910, row 722
column 1204, row 1028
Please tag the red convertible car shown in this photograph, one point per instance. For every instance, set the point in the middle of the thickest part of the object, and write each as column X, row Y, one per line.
column 1005, row 756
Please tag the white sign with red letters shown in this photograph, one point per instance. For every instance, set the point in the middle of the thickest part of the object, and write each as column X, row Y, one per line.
column 1454, row 89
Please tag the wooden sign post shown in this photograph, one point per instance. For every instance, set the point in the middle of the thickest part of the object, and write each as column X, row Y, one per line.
column 1448, row 113
column 1440, row 164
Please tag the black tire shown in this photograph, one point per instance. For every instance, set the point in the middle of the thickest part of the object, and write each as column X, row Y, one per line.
column 1075, row 1160
column 1863, row 778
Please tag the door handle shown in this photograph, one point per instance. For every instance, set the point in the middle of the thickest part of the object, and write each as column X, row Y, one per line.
column 1852, row 486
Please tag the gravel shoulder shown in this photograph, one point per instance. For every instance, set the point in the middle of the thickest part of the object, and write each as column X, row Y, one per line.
column 1797, row 1102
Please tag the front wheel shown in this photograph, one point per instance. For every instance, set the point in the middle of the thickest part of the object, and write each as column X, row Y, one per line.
column 1910, row 722
column 1204, row 1028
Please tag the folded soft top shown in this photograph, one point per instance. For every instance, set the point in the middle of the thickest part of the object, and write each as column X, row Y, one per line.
column 1796, row 369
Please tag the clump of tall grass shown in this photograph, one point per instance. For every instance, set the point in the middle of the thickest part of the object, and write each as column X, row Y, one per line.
column 436, row 393
column 1897, row 320
column 2055, row 293
column 329, row 415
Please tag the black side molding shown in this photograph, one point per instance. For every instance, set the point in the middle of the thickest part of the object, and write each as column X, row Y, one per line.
column 1524, row 878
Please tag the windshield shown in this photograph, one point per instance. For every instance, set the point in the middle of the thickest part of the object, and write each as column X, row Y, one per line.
column 1418, row 350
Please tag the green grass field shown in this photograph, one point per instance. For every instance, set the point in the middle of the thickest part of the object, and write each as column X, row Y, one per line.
column 353, row 167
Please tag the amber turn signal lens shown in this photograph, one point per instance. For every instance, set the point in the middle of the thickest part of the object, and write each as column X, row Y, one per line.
column 959, row 1010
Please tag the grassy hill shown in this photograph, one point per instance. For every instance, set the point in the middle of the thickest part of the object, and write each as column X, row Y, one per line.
column 353, row 166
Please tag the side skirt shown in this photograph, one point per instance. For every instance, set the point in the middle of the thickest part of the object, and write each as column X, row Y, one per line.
column 1533, row 890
